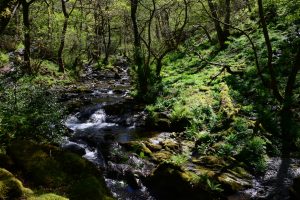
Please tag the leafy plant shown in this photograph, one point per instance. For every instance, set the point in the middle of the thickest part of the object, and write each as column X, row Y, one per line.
column 30, row 112
column 179, row 159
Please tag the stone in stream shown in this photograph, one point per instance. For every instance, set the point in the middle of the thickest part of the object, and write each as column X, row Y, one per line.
column 74, row 148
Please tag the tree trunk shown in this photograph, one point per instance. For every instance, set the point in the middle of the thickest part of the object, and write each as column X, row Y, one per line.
column 286, row 113
column 27, row 39
column 62, row 46
column 137, row 39
column 108, row 44
column 220, row 33
column 273, row 81
column 227, row 19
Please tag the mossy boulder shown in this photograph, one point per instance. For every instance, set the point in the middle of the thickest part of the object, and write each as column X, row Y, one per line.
column 169, row 181
column 137, row 147
column 11, row 187
column 161, row 156
column 50, row 167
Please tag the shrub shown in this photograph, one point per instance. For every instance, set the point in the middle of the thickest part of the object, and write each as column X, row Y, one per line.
column 4, row 58
column 253, row 154
column 30, row 112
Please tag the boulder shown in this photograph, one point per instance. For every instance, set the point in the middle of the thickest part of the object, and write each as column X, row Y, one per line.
column 137, row 147
column 74, row 148
column 172, row 182
column 11, row 187
column 50, row 167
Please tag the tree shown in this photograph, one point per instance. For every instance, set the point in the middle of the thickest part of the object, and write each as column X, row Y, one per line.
column 27, row 38
column 222, row 33
column 63, row 34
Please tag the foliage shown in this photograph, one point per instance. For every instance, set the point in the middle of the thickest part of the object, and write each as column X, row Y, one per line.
column 4, row 58
column 30, row 112
column 179, row 159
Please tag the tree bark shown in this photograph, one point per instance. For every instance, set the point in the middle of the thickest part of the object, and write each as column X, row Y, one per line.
column 273, row 81
column 286, row 113
column 27, row 39
column 60, row 61
column 227, row 19
column 220, row 33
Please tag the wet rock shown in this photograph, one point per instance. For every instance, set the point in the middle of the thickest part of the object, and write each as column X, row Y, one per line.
column 114, row 109
column 233, row 182
column 117, row 91
column 74, row 148
column 122, row 172
column 137, row 147
column 153, row 147
column 117, row 76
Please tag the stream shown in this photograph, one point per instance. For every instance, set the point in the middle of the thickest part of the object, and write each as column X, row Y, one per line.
column 104, row 116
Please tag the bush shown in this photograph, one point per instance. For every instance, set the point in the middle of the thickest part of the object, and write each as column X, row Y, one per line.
column 253, row 154
column 30, row 112
column 4, row 58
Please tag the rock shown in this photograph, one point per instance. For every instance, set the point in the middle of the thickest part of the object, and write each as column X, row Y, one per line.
column 122, row 171
column 74, row 148
column 163, row 124
column 234, row 183
column 172, row 182
column 153, row 147
column 170, row 144
column 50, row 167
column 161, row 156
column 210, row 161
column 137, row 147
column 11, row 187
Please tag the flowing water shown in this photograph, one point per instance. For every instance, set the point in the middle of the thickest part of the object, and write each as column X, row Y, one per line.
column 109, row 117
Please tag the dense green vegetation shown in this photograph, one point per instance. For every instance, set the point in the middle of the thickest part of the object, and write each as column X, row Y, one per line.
column 224, row 74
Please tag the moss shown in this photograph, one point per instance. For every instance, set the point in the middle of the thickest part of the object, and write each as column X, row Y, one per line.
column 11, row 187
column 88, row 188
column 227, row 108
column 234, row 183
column 161, row 156
column 49, row 167
column 138, row 147
column 169, row 181
column 49, row 196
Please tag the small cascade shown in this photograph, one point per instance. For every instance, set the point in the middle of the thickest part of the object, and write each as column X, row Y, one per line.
column 107, row 118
